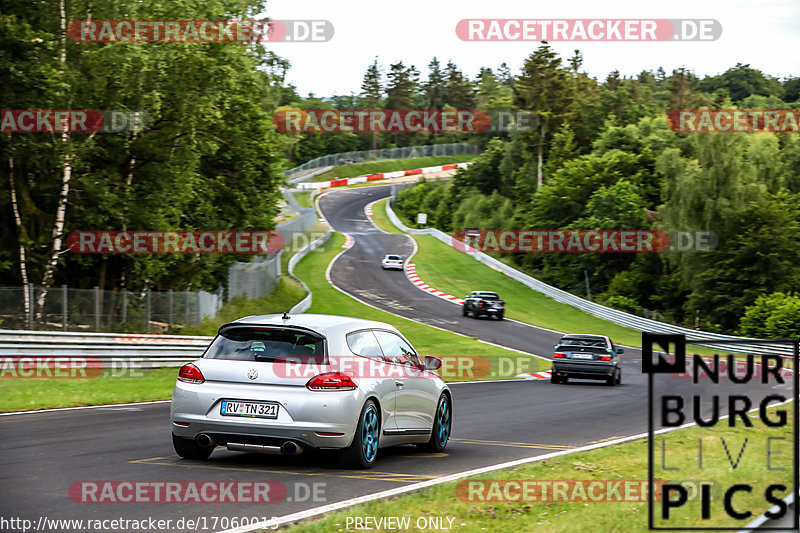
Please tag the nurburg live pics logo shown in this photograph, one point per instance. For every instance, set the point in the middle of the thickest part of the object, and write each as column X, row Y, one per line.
column 719, row 389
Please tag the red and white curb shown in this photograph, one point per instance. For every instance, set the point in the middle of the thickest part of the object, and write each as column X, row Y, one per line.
column 368, row 210
column 411, row 272
column 348, row 241
column 385, row 175
column 545, row 374
column 323, row 221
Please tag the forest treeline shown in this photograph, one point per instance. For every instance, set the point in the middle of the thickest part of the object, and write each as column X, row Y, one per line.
column 603, row 157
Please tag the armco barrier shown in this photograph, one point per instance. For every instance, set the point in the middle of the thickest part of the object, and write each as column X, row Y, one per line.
column 606, row 313
column 145, row 351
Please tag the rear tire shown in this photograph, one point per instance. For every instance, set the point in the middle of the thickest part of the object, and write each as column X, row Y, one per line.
column 189, row 449
column 500, row 315
column 442, row 424
column 463, row 311
column 363, row 450
column 554, row 378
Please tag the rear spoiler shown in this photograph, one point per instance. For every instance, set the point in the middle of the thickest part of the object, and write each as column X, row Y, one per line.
column 236, row 325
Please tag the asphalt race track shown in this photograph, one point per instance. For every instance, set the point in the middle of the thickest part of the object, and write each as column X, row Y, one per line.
column 45, row 453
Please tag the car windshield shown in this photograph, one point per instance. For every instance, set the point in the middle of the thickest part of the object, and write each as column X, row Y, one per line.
column 393, row 257
column 267, row 344
column 488, row 295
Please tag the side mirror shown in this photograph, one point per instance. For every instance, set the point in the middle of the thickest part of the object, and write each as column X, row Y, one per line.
column 620, row 350
column 555, row 347
column 432, row 363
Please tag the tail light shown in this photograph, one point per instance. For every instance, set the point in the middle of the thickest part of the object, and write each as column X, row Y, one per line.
column 190, row 374
column 331, row 381
column 559, row 355
column 605, row 358
column 480, row 304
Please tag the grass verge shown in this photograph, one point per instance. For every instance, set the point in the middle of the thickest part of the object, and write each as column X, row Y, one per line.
column 381, row 219
column 476, row 512
column 376, row 167
column 477, row 360
column 303, row 198
column 137, row 385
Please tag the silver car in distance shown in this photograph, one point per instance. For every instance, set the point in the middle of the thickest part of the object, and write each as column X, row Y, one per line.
column 280, row 385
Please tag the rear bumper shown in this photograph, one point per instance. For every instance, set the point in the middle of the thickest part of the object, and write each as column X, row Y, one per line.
column 392, row 267
column 302, row 415
column 223, row 433
column 584, row 370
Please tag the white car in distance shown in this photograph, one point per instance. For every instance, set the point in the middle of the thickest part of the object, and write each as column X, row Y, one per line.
column 392, row 261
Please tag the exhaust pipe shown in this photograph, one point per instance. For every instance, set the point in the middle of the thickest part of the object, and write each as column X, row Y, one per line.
column 287, row 448
column 291, row 448
column 205, row 441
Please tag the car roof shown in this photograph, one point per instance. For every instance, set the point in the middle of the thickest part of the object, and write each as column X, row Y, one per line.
column 327, row 325
column 484, row 292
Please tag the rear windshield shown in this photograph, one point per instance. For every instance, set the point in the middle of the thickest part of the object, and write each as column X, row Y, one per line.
column 587, row 349
column 599, row 343
column 393, row 257
column 267, row 344
column 488, row 295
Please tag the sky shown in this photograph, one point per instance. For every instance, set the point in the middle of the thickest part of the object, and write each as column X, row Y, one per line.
column 763, row 33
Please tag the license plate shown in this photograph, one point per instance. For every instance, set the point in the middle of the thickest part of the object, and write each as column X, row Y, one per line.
column 249, row 409
column 582, row 356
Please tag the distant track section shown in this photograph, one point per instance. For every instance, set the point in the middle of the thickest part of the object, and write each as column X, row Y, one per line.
column 375, row 177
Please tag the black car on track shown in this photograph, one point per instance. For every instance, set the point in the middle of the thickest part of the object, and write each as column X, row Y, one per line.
column 483, row 303
column 586, row 357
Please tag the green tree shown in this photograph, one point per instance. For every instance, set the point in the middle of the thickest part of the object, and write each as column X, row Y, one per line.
column 542, row 89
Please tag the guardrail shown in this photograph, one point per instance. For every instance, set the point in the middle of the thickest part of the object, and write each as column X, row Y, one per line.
column 404, row 152
column 305, row 176
column 113, row 349
column 606, row 313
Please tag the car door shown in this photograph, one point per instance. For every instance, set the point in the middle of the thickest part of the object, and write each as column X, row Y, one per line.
column 416, row 395
column 364, row 344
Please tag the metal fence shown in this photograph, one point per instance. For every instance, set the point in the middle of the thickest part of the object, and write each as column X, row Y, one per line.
column 260, row 277
column 256, row 279
column 297, row 173
column 68, row 309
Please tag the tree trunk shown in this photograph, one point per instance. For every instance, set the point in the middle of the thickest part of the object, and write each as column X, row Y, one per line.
column 23, row 263
column 58, row 228
column 540, row 158
column 66, row 176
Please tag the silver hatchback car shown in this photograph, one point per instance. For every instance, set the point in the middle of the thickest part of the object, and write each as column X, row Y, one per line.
column 279, row 385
